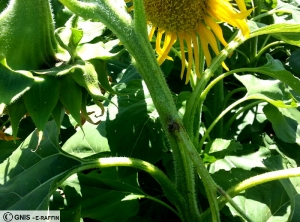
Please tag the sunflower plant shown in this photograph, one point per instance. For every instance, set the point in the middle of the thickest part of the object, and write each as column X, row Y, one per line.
column 151, row 110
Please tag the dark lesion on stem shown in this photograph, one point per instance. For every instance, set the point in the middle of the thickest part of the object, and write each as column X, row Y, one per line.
column 173, row 126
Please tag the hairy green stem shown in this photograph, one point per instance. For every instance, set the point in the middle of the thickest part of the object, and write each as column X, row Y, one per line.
column 177, row 133
column 167, row 110
column 208, row 182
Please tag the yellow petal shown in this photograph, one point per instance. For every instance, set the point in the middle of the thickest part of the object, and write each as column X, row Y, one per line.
column 196, row 54
column 170, row 39
column 181, row 41
column 241, row 5
column 216, row 29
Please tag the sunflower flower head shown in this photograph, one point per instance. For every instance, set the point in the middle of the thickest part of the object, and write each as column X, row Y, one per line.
column 192, row 22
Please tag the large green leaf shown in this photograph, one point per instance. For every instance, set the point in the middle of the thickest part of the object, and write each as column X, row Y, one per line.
column 13, row 84
column 133, row 128
column 7, row 148
column 285, row 122
column 275, row 69
column 290, row 150
column 219, row 148
column 246, row 162
column 89, row 51
column 272, row 91
column 28, row 178
column 90, row 140
column 266, row 202
column 104, row 196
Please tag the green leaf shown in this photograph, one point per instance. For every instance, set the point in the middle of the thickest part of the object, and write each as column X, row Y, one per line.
column 291, row 186
column 41, row 99
column 90, row 51
column 72, row 210
column 220, row 148
column 7, row 148
column 88, row 141
column 294, row 62
column 28, row 178
column 133, row 128
column 272, row 91
column 289, row 13
column 290, row 150
column 71, row 96
column 248, row 124
column 246, row 162
column 261, row 203
column 275, row 65
column 90, row 29
column 180, row 102
column 104, row 194
column 13, row 84
column 285, row 122
column 275, row 69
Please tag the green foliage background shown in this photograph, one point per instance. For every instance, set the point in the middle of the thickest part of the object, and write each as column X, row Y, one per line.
column 259, row 134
